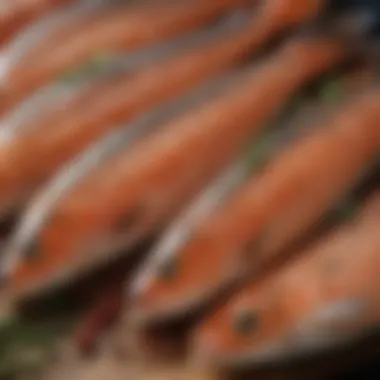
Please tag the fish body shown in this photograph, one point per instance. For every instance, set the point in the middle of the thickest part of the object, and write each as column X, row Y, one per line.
column 42, row 36
column 122, row 28
column 43, row 205
column 324, row 298
column 135, row 192
column 212, row 198
column 293, row 191
column 68, row 96
column 104, row 106
column 182, row 227
column 15, row 14
column 88, row 109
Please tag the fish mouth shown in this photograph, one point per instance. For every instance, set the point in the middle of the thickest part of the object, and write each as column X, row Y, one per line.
column 89, row 260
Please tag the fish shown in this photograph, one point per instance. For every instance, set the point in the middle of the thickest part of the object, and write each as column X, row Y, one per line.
column 89, row 109
column 182, row 227
column 17, row 14
column 72, row 94
column 200, row 207
column 324, row 298
column 41, row 207
column 136, row 191
column 122, row 28
column 107, row 105
column 38, row 38
column 295, row 189
column 174, row 236
column 58, row 28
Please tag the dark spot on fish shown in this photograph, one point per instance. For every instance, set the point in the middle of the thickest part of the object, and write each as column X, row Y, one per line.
column 168, row 270
column 128, row 220
column 246, row 322
column 31, row 250
column 343, row 211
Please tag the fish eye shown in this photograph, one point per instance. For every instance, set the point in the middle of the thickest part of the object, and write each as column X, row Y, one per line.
column 168, row 270
column 245, row 322
column 31, row 250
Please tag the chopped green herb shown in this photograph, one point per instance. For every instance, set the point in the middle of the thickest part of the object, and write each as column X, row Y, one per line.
column 27, row 347
column 345, row 210
column 258, row 155
column 331, row 91
column 102, row 59
column 89, row 69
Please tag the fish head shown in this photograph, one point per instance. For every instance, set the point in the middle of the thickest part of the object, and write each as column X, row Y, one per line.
column 262, row 324
column 38, row 259
column 184, row 282
column 247, row 329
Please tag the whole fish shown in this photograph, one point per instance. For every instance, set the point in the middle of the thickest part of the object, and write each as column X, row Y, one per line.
column 326, row 297
column 291, row 194
column 136, row 191
column 122, row 28
column 79, row 124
